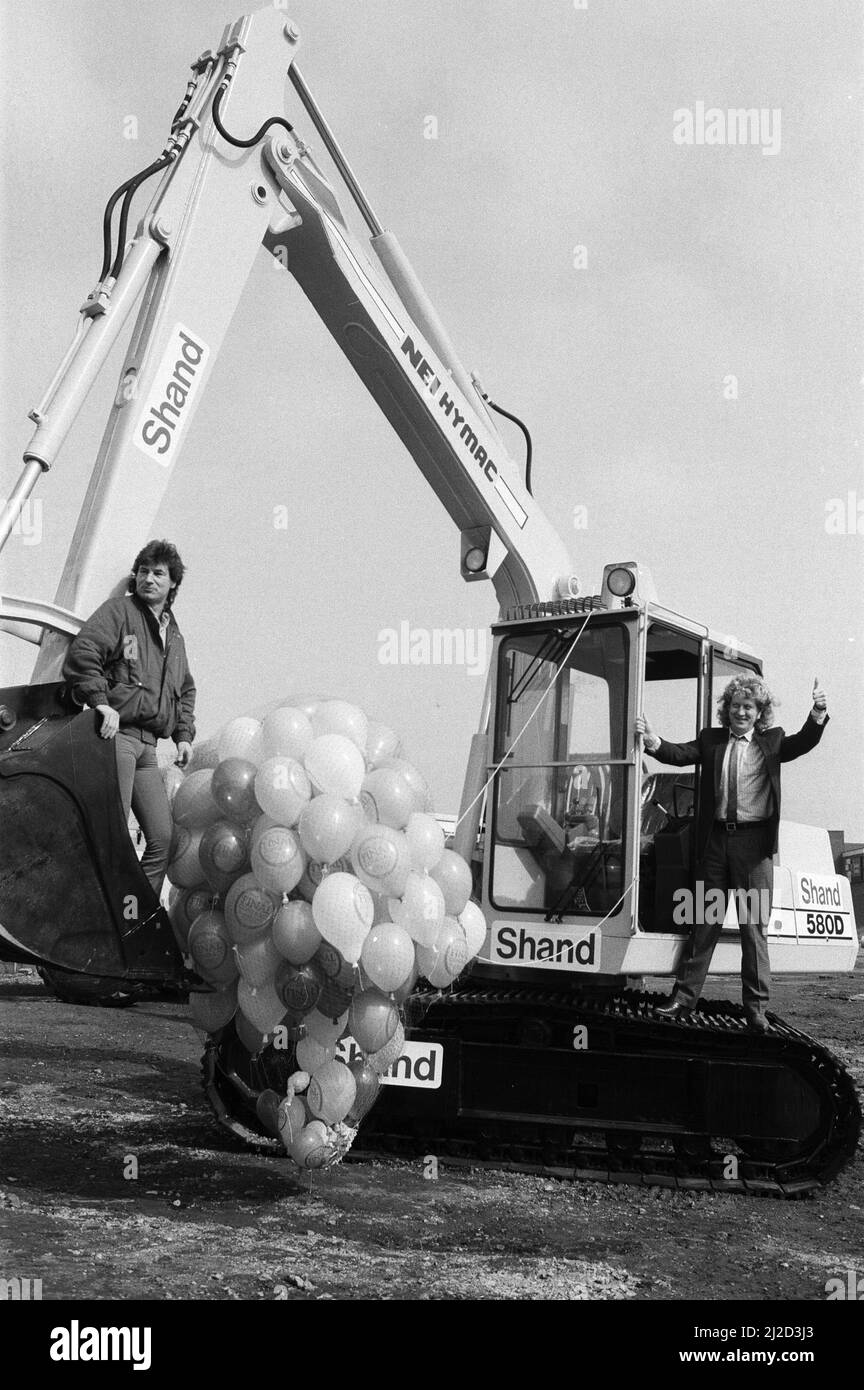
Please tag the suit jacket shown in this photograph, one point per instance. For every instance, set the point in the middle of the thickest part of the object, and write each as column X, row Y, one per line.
column 708, row 750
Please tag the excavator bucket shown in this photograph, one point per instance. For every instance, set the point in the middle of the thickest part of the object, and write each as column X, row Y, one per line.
column 72, row 893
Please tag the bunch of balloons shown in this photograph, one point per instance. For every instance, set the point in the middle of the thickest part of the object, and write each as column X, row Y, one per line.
column 312, row 889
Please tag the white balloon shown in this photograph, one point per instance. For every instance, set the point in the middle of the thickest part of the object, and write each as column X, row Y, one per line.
column 343, row 911
column 339, row 717
column 381, row 743
column 286, row 732
column 336, row 765
column 380, row 859
column 421, row 908
column 446, row 957
column 425, row 841
column 282, row 789
column 473, row 923
column 240, row 738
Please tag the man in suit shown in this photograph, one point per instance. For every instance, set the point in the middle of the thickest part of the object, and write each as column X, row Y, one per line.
column 739, row 818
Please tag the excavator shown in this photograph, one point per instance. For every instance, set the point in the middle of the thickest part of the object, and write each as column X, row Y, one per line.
column 549, row 1057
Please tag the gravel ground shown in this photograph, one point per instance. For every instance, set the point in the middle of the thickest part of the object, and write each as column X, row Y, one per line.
column 116, row 1183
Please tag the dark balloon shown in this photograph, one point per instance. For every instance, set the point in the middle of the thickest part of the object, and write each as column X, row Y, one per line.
column 233, row 789
column 223, row 854
column 333, row 1001
column 267, row 1110
column 368, row 1085
column 299, row 986
column 335, row 966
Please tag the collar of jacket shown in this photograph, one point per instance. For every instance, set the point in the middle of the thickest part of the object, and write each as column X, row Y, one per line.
column 150, row 616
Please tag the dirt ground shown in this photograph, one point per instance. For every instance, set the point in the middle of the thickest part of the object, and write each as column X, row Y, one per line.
column 87, row 1093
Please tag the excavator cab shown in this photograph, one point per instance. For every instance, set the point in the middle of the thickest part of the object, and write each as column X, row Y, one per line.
column 583, row 827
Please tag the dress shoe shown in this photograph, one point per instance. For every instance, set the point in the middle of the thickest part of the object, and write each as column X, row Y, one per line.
column 756, row 1021
column 673, row 1010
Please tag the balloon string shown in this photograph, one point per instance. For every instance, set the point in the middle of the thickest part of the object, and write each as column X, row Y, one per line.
column 493, row 774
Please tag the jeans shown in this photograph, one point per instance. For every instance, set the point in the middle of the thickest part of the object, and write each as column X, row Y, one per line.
column 142, row 789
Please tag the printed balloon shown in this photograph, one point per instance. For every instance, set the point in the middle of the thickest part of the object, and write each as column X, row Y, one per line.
column 223, row 854
column 311, row 1148
column 188, row 904
column 277, row 860
column 380, row 859
column 249, row 910
column 210, row 948
column 298, row 986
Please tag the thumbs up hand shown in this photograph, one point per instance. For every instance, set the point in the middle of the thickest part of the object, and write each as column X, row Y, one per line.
column 820, row 703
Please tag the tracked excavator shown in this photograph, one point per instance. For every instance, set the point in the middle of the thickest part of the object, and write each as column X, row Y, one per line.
column 549, row 1057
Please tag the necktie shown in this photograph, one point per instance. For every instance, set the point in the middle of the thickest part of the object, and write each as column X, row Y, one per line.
column 732, row 798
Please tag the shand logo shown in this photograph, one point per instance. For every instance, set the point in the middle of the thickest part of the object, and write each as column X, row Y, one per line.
column 421, row 1064
column 168, row 410
column 515, row 944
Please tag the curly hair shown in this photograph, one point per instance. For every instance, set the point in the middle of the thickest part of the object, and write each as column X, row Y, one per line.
column 758, row 691
column 159, row 553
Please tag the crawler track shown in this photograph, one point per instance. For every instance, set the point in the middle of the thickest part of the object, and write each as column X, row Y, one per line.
column 702, row 1104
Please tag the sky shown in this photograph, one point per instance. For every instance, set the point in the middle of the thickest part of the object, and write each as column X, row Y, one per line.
column 678, row 323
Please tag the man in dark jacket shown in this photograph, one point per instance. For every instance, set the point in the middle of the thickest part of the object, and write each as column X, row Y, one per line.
column 737, row 833
column 129, row 663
